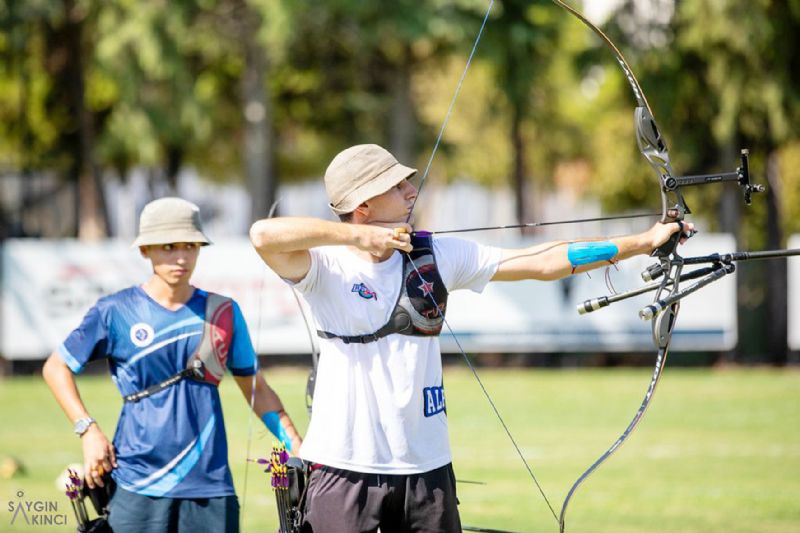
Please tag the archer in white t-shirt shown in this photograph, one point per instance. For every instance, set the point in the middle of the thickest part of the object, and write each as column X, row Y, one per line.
column 378, row 436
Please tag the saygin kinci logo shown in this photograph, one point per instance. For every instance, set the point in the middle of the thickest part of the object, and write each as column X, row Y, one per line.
column 35, row 512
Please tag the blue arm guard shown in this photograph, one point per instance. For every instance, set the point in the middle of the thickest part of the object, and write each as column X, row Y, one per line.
column 272, row 420
column 584, row 253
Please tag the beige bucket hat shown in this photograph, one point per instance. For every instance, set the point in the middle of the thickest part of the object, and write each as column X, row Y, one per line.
column 359, row 173
column 169, row 220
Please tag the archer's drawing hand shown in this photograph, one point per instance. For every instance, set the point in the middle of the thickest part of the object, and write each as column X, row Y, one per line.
column 379, row 240
column 98, row 456
column 661, row 233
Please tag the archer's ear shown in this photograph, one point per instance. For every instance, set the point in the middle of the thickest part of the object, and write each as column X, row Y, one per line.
column 143, row 252
column 361, row 213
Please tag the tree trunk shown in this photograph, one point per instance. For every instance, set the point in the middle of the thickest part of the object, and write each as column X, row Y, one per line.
column 402, row 117
column 777, row 302
column 730, row 212
column 173, row 166
column 91, row 212
column 730, row 204
column 258, row 141
column 519, row 171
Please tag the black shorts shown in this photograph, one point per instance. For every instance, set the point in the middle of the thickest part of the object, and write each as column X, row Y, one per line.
column 343, row 501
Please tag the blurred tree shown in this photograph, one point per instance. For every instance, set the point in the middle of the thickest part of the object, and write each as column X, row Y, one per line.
column 46, row 123
column 152, row 78
column 256, row 31
column 719, row 76
column 350, row 76
column 259, row 149
column 749, row 61
column 67, row 66
column 521, row 42
column 25, row 129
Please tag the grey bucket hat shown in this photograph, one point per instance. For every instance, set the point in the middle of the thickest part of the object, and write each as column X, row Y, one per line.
column 359, row 173
column 169, row 220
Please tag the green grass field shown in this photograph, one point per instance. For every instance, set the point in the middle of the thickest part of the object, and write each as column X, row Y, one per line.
column 719, row 450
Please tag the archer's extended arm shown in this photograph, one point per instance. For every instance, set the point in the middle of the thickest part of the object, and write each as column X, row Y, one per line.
column 559, row 259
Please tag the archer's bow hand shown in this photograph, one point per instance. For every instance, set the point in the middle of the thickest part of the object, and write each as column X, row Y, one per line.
column 661, row 233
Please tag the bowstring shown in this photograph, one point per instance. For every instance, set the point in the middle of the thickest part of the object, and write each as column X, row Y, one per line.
column 486, row 393
column 444, row 320
column 450, row 109
column 252, row 402
column 271, row 213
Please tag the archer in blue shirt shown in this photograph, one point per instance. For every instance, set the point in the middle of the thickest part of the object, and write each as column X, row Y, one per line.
column 168, row 345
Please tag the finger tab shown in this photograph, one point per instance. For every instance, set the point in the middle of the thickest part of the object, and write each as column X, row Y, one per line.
column 397, row 232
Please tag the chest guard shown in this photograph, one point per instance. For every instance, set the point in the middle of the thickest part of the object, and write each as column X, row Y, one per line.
column 212, row 352
column 207, row 364
column 415, row 312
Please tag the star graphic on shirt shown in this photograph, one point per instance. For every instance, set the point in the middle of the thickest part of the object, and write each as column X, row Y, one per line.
column 426, row 288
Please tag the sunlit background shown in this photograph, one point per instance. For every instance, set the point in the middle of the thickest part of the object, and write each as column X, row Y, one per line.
column 239, row 104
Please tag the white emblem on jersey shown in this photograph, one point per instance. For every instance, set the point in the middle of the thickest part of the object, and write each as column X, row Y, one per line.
column 142, row 334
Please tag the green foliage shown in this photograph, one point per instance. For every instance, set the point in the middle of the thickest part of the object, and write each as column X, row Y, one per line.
column 160, row 75
column 28, row 129
column 790, row 182
column 163, row 85
column 743, row 54
column 338, row 87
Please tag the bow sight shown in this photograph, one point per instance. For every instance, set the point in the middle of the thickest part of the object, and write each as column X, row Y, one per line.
column 720, row 264
column 740, row 176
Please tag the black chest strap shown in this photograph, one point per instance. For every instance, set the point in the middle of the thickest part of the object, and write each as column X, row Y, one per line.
column 207, row 364
column 421, row 304
column 195, row 372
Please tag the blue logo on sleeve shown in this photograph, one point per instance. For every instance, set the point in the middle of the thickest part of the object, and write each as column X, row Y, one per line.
column 434, row 400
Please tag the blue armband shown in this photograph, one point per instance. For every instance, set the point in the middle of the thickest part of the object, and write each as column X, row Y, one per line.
column 584, row 253
column 272, row 420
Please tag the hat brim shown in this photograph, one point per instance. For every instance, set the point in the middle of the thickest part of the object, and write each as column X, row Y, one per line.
column 375, row 187
column 171, row 237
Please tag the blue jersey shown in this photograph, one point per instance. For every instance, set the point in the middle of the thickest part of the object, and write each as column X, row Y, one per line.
column 172, row 443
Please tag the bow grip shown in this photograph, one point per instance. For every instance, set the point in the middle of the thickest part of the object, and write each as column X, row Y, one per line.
column 672, row 243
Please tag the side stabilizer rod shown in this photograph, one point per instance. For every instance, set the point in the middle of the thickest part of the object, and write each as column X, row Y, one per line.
column 594, row 304
column 650, row 311
column 655, row 271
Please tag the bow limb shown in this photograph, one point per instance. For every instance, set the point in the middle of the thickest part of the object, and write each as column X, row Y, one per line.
column 673, row 209
column 312, row 340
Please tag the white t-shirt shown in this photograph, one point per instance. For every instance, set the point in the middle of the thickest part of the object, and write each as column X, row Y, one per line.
column 379, row 407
